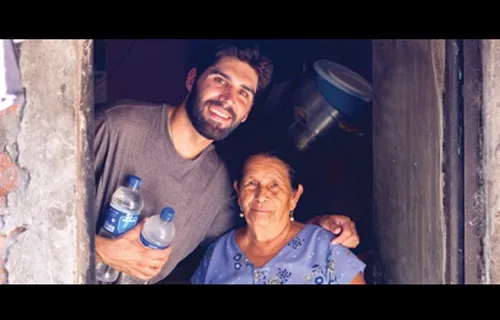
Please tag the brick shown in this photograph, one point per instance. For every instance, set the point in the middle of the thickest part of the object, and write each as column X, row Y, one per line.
column 8, row 175
column 10, row 110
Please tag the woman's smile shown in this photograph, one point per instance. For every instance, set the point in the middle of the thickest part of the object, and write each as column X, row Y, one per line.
column 260, row 210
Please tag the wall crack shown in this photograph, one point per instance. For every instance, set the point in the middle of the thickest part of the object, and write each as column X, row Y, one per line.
column 6, row 242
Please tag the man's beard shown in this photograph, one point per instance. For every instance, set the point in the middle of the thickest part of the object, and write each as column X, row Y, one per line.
column 208, row 128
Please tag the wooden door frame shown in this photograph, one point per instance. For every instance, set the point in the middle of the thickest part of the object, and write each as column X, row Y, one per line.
column 474, row 219
column 462, row 144
column 462, row 194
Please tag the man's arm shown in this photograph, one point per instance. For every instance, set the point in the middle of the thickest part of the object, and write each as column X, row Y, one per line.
column 127, row 254
column 101, row 149
column 101, row 144
column 339, row 225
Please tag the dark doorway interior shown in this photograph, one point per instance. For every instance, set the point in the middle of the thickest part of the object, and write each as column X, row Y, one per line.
column 336, row 170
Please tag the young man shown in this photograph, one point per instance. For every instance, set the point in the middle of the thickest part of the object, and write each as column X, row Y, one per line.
column 171, row 150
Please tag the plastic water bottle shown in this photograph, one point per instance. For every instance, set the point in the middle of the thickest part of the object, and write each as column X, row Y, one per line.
column 159, row 231
column 123, row 214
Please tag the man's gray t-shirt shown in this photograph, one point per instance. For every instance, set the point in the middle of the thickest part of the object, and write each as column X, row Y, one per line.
column 133, row 139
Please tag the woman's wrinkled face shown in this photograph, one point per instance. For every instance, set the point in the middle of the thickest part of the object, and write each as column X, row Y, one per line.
column 265, row 193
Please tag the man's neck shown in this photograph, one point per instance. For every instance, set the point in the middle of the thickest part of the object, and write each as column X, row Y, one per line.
column 186, row 140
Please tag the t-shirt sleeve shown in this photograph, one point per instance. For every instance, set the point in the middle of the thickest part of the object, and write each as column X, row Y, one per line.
column 342, row 265
column 101, row 142
column 200, row 274
column 101, row 149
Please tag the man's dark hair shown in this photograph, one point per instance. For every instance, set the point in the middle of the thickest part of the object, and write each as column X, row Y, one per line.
column 262, row 65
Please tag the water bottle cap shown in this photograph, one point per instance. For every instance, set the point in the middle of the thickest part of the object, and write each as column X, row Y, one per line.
column 134, row 182
column 167, row 214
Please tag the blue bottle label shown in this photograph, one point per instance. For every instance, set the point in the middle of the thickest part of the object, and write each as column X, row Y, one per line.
column 118, row 222
column 149, row 244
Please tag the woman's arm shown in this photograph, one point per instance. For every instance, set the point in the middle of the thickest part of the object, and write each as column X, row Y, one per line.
column 358, row 279
column 344, row 267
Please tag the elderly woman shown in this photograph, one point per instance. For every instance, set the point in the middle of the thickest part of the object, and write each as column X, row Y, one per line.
column 273, row 248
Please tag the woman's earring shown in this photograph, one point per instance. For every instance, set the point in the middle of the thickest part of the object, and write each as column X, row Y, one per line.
column 291, row 216
column 241, row 213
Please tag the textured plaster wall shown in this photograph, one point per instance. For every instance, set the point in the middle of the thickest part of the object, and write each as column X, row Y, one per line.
column 44, row 167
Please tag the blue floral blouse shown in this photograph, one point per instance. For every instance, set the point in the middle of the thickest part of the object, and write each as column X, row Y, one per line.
column 309, row 258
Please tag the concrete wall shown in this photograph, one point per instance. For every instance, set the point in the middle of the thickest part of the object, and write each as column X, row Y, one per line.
column 437, row 161
column 409, row 80
column 45, row 166
column 491, row 156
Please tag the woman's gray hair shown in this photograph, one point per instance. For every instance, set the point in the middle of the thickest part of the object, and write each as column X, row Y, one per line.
column 277, row 154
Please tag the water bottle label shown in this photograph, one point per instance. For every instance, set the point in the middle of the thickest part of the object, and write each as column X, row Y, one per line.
column 119, row 222
column 149, row 244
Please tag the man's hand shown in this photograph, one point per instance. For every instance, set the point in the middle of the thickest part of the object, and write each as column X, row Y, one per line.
column 127, row 254
column 340, row 225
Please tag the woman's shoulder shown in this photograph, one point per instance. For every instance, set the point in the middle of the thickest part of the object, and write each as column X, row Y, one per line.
column 223, row 240
column 312, row 238
column 317, row 233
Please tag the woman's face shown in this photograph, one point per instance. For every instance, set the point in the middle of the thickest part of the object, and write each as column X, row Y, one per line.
column 265, row 194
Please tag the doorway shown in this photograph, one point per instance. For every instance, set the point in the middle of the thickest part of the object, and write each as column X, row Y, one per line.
column 336, row 170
